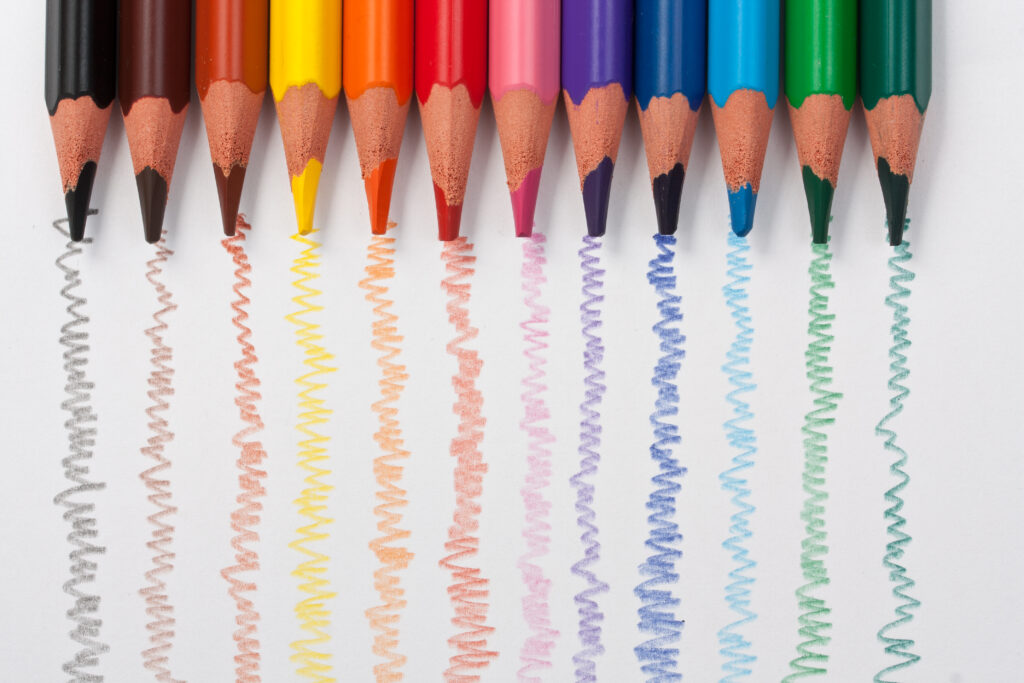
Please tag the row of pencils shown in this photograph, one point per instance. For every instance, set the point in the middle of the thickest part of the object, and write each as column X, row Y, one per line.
column 599, row 53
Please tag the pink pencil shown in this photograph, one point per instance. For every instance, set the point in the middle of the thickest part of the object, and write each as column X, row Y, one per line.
column 525, row 37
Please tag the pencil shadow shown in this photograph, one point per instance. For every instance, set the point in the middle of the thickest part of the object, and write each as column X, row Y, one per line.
column 332, row 224
column 104, row 190
column 554, row 162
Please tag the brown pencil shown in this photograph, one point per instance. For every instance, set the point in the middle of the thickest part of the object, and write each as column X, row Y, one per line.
column 156, row 45
column 231, row 77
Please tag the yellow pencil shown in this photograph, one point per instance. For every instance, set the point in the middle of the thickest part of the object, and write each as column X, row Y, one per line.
column 305, row 77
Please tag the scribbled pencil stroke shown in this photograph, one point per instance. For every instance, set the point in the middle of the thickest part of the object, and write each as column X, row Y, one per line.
column 535, row 653
column 588, row 609
column 659, row 654
column 388, row 466
column 468, row 590
column 77, row 499
column 311, row 654
column 900, row 647
column 159, row 609
column 245, row 519
column 734, row 643
column 812, row 657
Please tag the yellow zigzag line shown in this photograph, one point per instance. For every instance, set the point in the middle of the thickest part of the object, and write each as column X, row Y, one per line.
column 387, row 466
column 311, row 654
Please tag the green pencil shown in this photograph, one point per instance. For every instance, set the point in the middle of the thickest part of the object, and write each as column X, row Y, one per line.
column 821, row 86
column 896, row 84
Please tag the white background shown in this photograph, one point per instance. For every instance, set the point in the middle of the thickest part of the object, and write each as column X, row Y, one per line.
column 962, row 426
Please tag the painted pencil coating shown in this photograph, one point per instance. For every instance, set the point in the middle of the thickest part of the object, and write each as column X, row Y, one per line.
column 821, row 86
column 671, row 50
column 80, row 84
column 743, row 81
column 524, row 77
column 450, row 78
column 231, row 77
column 670, row 74
column 896, row 85
column 597, row 80
column 524, row 47
column 305, row 78
column 378, row 80
column 154, row 88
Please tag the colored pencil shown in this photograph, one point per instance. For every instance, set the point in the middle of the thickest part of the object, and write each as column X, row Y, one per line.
column 670, row 74
column 524, row 78
column 451, row 76
column 743, row 81
column 895, row 86
column 821, row 86
column 80, row 84
column 305, row 77
column 154, row 87
column 597, row 80
column 378, row 54
column 231, row 77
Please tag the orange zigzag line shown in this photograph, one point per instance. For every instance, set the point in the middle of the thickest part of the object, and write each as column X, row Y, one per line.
column 158, row 606
column 246, row 516
column 311, row 654
column 468, row 591
column 387, row 467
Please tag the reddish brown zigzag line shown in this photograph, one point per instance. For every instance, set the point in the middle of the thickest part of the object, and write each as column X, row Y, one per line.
column 468, row 590
column 246, row 516
column 387, row 466
column 158, row 605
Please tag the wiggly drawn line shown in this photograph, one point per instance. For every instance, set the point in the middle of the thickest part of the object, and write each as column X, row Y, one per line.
column 535, row 653
column 659, row 654
column 246, row 517
column 734, row 644
column 898, row 576
column 468, row 591
column 590, row 615
column 812, row 659
column 311, row 654
column 79, row 509
column 158, row 606
column 388, row 465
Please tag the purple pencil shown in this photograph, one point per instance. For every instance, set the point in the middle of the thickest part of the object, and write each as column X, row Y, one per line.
column 597, row 79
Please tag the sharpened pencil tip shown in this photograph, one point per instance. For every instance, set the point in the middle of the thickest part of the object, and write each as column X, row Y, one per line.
column 378, row 186
column 77, row 201
column 229, row 192
column 741, row 210
column 449, row 217
column 668, row 193
column 304, row 188
column 819, row 192
column 597, row 189
column 153, row 200
column 896, row 193
column 524, row 203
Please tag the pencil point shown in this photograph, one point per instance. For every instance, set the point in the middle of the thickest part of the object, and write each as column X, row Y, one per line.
column 229, row 192
column 668, row 192
column 741, row 209
column 896, row 193
column 77, row 201
column 819, row 192
column 449, row 217
column 524, row 203
column 304, row 187
column 379, row 185
column 597, row 188
column 153, row 200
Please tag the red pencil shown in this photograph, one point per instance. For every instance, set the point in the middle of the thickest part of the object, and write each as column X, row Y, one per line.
column 451, row 76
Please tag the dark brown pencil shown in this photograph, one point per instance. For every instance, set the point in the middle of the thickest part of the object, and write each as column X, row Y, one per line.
column 154, row 89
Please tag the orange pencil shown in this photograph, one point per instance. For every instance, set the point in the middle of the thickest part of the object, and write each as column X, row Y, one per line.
column 377, row 61
column 231, row 77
